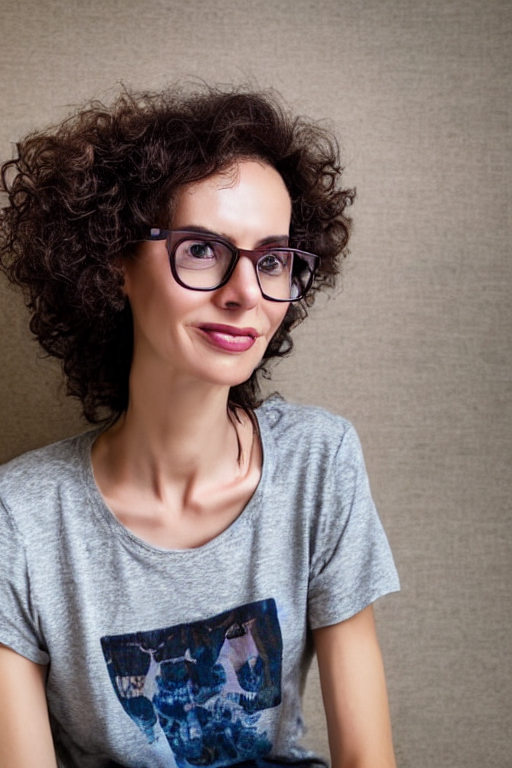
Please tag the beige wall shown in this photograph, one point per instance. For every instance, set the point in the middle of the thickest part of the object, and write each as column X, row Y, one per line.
column 416, row 350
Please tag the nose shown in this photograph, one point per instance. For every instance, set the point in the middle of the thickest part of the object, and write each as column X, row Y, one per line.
column 242, row 289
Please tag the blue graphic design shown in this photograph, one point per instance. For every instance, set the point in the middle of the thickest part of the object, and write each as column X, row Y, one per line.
column 204, row 685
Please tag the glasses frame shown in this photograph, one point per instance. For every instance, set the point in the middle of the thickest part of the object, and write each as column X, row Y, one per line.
column 174, row 237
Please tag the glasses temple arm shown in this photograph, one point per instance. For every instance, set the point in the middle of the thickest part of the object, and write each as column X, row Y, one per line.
column 155, row 233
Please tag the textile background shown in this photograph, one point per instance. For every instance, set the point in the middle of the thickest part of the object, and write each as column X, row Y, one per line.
column 415, row 350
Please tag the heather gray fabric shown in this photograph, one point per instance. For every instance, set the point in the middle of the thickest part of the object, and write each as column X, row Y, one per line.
column 201, row 650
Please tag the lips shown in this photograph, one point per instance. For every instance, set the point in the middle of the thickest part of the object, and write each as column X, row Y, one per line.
column 229, row 337
column 230, row 330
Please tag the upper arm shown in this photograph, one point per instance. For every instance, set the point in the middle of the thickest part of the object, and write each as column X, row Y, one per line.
column 354, row 693
column 25, row 735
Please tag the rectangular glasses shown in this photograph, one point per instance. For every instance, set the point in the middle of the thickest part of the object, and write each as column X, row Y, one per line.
column 204, row 262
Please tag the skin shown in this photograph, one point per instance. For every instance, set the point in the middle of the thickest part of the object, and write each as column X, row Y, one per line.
column 24, row 724
column 354, row 693
column 175, row 489
column 157, row 472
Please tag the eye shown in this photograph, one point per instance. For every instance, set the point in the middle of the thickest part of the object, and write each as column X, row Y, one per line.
column 198, row 254
column 274, row 263
column 199, row 250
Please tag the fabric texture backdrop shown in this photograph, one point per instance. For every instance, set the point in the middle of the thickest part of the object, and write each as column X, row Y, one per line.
column 416, row 350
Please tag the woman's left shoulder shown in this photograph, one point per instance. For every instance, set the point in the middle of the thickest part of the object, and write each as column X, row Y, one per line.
column 309, row 423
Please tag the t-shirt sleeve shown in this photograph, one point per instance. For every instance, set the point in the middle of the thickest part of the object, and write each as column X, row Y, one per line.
column 18, row 625
column 352, row 564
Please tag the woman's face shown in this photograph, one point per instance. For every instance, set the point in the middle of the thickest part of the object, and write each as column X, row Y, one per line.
column 217, row 336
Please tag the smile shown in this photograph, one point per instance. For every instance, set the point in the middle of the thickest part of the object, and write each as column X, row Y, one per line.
column 228, row 337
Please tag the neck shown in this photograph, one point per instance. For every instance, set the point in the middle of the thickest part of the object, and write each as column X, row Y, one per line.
column 175, row 431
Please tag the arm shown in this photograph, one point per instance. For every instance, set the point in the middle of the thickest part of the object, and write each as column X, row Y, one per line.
column 25, row 736
column 354, row 693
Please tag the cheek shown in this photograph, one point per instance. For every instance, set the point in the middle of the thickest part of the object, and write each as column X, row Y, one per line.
column 278, row 316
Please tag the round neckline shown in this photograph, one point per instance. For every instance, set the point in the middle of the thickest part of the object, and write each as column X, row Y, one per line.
column 103, row 512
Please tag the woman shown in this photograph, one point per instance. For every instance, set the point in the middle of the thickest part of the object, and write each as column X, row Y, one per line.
column 166, row 577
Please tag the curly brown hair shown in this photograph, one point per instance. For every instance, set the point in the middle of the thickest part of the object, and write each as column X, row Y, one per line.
column 83, row 193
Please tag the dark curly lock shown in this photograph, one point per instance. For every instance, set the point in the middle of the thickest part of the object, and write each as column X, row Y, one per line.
column 82, row 194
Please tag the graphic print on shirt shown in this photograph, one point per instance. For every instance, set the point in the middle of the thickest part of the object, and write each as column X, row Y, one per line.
column 203, row 685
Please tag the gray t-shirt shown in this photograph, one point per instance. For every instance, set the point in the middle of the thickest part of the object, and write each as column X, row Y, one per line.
column 161, row 658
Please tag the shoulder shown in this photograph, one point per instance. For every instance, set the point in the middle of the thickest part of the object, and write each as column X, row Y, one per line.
column 304, row 427
column 309, row 447
column 35, row 479
column 41, row 464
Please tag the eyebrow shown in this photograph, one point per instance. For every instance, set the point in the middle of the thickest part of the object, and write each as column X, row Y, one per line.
column 279, row 240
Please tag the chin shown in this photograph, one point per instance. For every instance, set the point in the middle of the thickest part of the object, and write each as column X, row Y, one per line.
column 235, row 381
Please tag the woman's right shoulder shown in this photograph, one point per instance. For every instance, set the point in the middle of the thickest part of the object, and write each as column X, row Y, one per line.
column 39, row 475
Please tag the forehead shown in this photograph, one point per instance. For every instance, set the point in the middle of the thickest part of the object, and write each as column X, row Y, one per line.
column 248, row 193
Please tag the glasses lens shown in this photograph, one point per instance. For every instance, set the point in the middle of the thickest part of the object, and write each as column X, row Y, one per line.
column 303, row 273
column 275, row 273
column 202, row 263
column 283, row 274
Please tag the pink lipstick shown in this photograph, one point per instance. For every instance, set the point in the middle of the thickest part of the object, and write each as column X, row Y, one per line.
column 228, row 337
